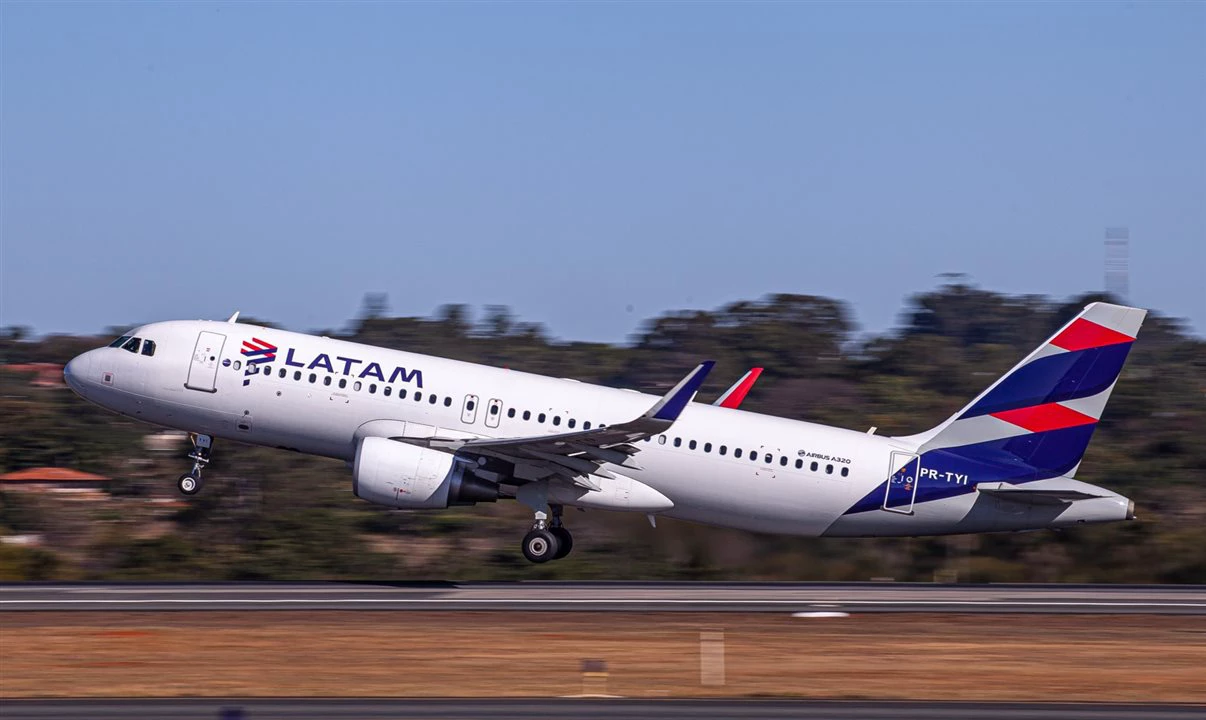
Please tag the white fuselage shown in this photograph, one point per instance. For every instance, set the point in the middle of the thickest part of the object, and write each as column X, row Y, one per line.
column 320, row 396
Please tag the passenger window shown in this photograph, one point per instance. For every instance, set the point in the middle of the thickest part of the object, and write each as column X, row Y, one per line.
column 448, row 403
column 845, row 471
column 297, row 374
column 131, row 345
column 783, row 461
column 267, row 369
column 828, row 469
column 313, row 378
column 754, row 455
column 737, row 452
column 326, row 380
column 661, row 439
column 418, row 396
column 572, row 422
column 148, row 347
column 769, row 459
column 431, row 399
column 691, row 445
column 494, row 411
column 586, row 425
column 799, row 464
column 238, row 364
column 510, row 412
column 556, row 419
column 813, row 466
column 342, row 383
column 707, row 447
column 283, row 372
column 386, row 390
column 372, row 388
column 527, row 414
column 356, row 386
column 401, row 393
column 678, row 442
column 724, row 449
column 540, row 418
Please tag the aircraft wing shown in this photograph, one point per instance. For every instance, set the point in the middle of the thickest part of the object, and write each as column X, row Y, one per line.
column 734, row 395
column 575, row 456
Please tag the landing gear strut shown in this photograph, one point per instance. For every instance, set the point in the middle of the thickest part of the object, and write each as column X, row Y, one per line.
column 190, row 482
column 547, row 540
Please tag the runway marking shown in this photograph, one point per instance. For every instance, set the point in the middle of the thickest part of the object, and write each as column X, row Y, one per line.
column 570, row 601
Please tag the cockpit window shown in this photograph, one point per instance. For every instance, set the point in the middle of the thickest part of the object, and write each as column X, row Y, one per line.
column 148, row 347
column 119, row 341
column 132, row 345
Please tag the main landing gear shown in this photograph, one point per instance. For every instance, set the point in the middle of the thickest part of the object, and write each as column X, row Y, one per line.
column 190, row 482
column 547, row 540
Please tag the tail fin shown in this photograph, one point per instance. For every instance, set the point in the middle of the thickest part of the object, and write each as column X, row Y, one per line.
column 1040, row 416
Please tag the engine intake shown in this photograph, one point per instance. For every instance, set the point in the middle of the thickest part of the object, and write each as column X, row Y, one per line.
column 400, row 475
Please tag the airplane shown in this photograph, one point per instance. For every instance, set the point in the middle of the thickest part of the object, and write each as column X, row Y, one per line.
column 422, row 432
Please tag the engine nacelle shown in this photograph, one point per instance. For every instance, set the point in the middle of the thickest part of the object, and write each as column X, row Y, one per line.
column 401, row 475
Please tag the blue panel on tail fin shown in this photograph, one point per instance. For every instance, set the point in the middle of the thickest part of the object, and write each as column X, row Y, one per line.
column 1055, row 378
column 955, row 471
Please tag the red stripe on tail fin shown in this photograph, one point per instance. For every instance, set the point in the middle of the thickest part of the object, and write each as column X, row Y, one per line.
column 1041, row 418
column 1085, row 334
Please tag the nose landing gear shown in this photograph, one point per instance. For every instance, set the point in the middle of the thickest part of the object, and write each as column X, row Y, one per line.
column 190, row 482
column 547, row 540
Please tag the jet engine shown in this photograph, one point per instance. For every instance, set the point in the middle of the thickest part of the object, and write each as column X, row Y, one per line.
column 400, row 475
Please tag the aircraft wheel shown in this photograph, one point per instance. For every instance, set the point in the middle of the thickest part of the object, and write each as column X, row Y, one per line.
column 540, row 546
column 565, row 542
column 188, row 484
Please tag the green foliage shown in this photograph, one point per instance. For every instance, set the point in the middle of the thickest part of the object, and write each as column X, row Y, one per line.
column 268, row 514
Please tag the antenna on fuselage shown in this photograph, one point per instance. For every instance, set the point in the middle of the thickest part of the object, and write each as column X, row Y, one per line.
column 234, row 318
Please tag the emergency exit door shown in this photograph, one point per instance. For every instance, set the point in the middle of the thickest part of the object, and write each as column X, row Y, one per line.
column 203, row 370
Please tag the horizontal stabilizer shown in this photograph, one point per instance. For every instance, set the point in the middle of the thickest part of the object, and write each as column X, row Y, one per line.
column 1033, row 496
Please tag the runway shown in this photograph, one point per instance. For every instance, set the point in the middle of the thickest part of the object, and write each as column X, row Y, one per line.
column 610, row 597
column 588, row 709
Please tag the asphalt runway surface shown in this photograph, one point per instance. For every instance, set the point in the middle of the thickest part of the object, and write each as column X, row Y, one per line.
column 588, row 709
column 609, row 597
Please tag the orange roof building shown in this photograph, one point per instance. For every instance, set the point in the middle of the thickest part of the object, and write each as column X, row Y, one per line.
column 53, row 478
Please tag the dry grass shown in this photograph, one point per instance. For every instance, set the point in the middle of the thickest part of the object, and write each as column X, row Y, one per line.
column 990, row 657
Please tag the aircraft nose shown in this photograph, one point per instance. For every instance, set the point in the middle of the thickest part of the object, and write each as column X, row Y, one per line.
column 76, row 371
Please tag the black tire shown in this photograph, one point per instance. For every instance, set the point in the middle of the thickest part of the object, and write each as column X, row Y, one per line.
column 565, row 542
column 188, row 484
column 540, row 546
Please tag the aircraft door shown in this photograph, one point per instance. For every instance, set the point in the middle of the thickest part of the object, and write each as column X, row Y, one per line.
column 905, row 469
column 469, row 410
column 493, row 412
column 203, row 370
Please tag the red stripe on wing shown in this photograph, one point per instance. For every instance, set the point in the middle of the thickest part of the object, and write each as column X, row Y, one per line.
column 1085, row 334
column 734, row 399
column 1040, row 418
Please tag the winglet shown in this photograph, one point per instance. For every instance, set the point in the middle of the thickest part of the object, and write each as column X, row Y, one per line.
column 233, row 318
column 673, row 402
column 734, row 395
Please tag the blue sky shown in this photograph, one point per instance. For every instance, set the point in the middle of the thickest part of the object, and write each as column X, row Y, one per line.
column 589, row 165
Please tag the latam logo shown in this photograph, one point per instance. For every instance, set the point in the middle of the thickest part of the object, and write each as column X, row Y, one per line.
column 258, row 352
